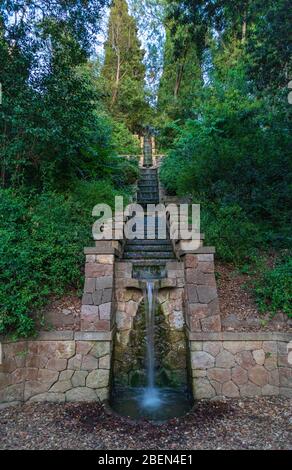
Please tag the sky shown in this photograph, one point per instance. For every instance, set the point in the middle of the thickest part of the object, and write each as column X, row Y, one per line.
column 148, row 15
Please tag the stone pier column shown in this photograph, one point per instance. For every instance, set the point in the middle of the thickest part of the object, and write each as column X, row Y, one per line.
column 201, row 298
column 97, row 312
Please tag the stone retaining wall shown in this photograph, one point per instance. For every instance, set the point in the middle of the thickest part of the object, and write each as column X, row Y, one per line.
column 56, row 367
column 240, row 364
column 130, row 325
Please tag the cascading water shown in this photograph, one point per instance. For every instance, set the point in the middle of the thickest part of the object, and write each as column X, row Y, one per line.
column 150, row 397
column 151, row 401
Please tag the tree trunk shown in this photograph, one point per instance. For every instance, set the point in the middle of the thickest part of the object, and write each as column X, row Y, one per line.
column 117, row 82
column 244, row 24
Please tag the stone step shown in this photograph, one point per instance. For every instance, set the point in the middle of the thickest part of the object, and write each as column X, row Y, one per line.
column 149, row 242
column 150, row 248
column 150, row 191
column 149, row 255
column 148, row 262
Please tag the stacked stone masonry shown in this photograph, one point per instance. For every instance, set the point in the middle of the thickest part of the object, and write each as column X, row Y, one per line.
column 97, row 302
column 201, row 298
column 56, row 370
column 240, row 365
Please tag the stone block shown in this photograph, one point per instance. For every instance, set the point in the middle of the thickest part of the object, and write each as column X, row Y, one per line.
column 61, row 386
column 176, row 320
column 259, row 356
column 131, row 308
column 102, row 394
column 225, row 359
column 105, row 311
column 270, row 347
column 56, row 364
column 197, row 346
column 219, row 375
column 165, row 283
column 97, row 270
column 79, row 378
column 89, row 310
column 104, row 362
column 206, row 267
column 17, row 376
column 206, row 258
column 105, row 282
column 107, row 295
column 239, row 375
column 258, row 375
column 90, row 258
column 191, row 261
column 250, row 390
column 89, row 363
column 100, row 348
column 202, row 360
column 81, row 394
column 89, row 285
column 245, row 359
column 203, row 389
column 274, row 377
column 66, row 375
column 65, row 349
column 83, row 347
column 270, row 390
column 191, row 293
column 211, row 323
column 212, row 347
column 229, row 389
column 206, row 294
column 285, row 377
column 75, row 362
column 35, row 387
column 87, row 299
column 105, row 259
column 49, row 397
column 97, row 297
column 12, row 393
column 98, row 379
column 199, row 373
column 197, row 311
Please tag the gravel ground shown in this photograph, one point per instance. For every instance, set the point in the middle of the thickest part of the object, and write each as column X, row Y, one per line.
column 262, row 423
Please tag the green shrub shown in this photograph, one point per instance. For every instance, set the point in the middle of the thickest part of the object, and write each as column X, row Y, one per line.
column 230, row 231
column 123, row 141
column 273, row 291
column 41, row 248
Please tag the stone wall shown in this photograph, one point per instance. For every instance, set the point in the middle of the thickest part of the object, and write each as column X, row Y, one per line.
column 240, row 364
column 57, row 367
column 97, row 312
column 130, row 312
column 201, row 298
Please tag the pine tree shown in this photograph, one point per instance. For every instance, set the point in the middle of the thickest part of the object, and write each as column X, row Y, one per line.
column 123, row 70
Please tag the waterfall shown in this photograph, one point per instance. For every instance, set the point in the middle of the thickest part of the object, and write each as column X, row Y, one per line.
column 151, row 398
column 150, row 334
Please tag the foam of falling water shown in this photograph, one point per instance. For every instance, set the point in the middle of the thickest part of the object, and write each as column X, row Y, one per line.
column 157, row 404
column 151, row 397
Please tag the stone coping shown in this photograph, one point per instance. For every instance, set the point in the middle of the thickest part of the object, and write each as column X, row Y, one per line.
column 203, row 250
column 95, row 250
column 66, row 335
column 240, row 336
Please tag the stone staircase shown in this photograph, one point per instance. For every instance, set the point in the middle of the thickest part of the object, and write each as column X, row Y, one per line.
column 144, row 251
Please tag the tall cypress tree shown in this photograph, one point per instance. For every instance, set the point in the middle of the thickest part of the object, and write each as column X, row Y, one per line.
column 123, row 70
